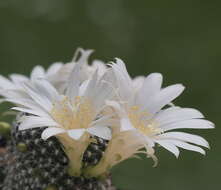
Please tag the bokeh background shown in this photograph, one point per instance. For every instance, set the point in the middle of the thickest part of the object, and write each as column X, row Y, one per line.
column 181, row 39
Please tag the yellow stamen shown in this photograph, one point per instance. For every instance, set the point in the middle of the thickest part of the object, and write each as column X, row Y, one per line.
column 139, row 120
column 77, row 114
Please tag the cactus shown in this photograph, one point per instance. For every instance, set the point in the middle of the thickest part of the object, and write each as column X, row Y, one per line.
column 30, row 163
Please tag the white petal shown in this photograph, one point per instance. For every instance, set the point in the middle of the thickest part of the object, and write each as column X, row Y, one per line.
column 104, row 92
column 100, row 66
column 104, row 121
column 54, row 68
column 17, row 78
column 175, row 114
column 98, row 91
column 124, row 81
column 188, row 146
column 46, row 89
column 83, row 87
column 31, row 111
column 74, row 82
column 28, row 104
column 110, row 79
column 151, row 86
column 122, row 67
column 126, row 125
column 76, row 134
column 44, row 102
column 30, row 122
column 5, row 83
column 195, row 139
column 100, row 131
column 91, row 87
column 16, row 93
column 189, row 124
column 51, row 131
column 164, row 97
column 138, row 82
column 169, row 146
column 37, row 72
column 153, row 83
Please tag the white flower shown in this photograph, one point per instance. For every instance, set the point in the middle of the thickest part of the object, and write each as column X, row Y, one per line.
column 75, row 112
column 72, row 116
column 81, row 56
column 38, row 71
column 12, row 87
column 144, row 121
column 57, row 74
column 143, row 112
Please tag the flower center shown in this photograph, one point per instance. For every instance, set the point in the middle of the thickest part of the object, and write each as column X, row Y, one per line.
column 142, row 121
column 73, row 114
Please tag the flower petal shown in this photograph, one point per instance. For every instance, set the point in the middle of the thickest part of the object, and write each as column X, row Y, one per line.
column 51, row 131
column 100, row 131
column 29, row 122
column 169, row 146
column 17, row 78
column 151, row 86
column 76, row 134
column 54, row 68
column 38, row 98
column 126, row 125
column 46, row 89
column 164, row 97
column 73, row 83
column 28, row 104
column 176, row 114
column 31, row 111
column 189, row 124
column 138, row 82
column 37, row 72
column 5, row 83
column 124, row 81
column 188, row 146
column 195, row 139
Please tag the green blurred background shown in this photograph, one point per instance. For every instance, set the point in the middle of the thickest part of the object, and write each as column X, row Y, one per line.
column 180, row 39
